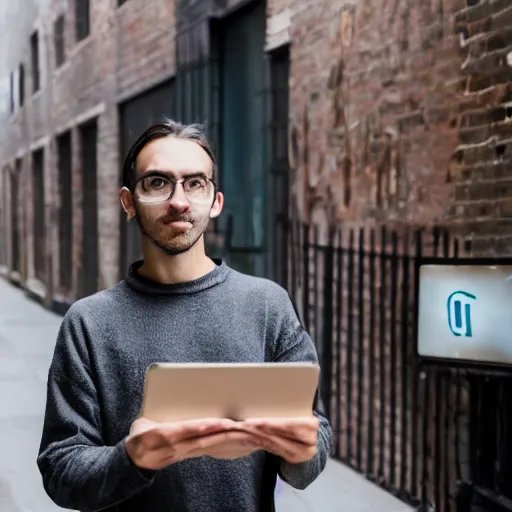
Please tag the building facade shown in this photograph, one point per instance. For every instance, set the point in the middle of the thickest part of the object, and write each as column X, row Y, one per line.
column 331, row 111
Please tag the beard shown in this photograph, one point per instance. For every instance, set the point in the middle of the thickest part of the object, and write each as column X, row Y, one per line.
column 160, row 234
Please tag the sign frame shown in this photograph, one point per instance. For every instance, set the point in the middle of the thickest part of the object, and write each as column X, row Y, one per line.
column 446, row 362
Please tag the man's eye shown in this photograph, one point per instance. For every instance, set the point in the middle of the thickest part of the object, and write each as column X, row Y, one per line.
column 157, row 183
column 196, row 183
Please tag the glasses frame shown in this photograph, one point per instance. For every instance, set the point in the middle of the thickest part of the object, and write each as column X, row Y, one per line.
column 175, row 182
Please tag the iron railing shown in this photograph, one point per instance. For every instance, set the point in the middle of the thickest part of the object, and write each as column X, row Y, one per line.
column 425, row 434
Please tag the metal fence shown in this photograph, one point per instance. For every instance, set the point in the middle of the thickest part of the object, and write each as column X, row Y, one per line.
column 437, row 438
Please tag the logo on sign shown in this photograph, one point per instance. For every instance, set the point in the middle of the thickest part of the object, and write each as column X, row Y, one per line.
column 459, row 313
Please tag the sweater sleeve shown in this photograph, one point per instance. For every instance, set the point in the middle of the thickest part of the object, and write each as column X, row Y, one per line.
column 293, row 345
column 78, row 470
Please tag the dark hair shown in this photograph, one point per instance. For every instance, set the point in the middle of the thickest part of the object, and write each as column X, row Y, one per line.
column 194, row 132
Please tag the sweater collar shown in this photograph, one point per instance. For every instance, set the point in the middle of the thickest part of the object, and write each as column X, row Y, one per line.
column 142, row 284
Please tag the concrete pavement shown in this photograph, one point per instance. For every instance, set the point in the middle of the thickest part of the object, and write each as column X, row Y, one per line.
column 27, row 338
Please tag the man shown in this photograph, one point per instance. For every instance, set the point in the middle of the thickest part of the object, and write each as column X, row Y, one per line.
column 176, row 305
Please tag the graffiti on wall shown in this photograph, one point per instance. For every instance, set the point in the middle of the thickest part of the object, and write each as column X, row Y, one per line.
column 389, row 128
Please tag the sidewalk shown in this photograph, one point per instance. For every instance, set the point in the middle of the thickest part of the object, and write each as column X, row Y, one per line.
column 27, row 337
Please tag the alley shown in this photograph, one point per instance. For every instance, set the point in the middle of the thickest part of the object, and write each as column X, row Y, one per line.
column 27, row 337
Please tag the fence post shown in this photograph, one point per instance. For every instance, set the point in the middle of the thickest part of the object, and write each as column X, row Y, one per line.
column 370, row 463
column 339, row 336
column 305, row 289
column 361, row 355
column 327, row 335
column 350, row 345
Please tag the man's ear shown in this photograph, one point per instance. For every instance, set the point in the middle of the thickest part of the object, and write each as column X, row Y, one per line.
column 126, row 198
column 217, row 206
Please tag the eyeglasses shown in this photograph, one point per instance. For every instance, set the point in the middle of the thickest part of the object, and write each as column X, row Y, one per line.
column 158, row 187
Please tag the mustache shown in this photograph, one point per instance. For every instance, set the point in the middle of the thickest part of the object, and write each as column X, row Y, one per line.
column 176, row 217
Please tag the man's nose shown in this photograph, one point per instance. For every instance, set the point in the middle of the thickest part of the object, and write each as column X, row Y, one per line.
column 179, row 200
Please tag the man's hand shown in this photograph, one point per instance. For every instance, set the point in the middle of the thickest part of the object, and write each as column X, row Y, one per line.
column 294, row 440
column 154, row 446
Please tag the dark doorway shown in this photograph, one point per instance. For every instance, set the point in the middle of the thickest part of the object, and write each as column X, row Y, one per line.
column 136, row 115
column 34, row 55
column 89, row 165
column 240, row 45
column 38, row 214
column 278, row 189
column 3, row 221
column 65, row 212
column 15, row 219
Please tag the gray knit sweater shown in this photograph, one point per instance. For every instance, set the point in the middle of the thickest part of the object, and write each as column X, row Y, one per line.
column 95, row 386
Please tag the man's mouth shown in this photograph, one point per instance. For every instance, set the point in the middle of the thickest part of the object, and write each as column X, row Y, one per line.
column 177, row 220
column 181, row 225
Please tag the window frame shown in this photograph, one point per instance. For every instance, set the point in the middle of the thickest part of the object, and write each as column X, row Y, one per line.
column 59, row 40
column 21, row 84
column 12, row 106
column 82, row 20
column 35, row 62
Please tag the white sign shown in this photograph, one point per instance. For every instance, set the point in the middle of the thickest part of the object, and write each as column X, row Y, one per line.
column 465, row 312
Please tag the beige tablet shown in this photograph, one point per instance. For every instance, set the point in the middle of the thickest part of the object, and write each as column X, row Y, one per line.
column 179, row 392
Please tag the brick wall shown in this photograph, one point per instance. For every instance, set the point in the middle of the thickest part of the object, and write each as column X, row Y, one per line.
column 129, row 49
column 146, row 44
column 484, row 158
column 399, row 111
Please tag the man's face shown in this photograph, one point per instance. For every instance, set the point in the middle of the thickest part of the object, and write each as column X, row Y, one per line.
column 174, row 225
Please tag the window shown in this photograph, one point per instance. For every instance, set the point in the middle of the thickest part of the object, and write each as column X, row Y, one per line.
column 82, row 19
column 11, row 93
column 59, row 41
column 21, row 85
column 65, row 170
column 89, row 160
column 38, row 212
column 34, row 52
column 120, row 2
column 15, row 217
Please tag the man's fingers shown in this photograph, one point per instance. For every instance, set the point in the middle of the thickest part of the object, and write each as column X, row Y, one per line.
column 242, row 438
column 177, row 432
column 224, row 445
column 201, row 445
column 291, row 451
column 141, row 425
column 303, row 438
column 154, row 436
column 302, row 430
column 284, row 423
column 227, row 447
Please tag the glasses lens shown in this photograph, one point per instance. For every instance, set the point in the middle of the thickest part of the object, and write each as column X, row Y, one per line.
column 198, row 188
column 154, row 189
